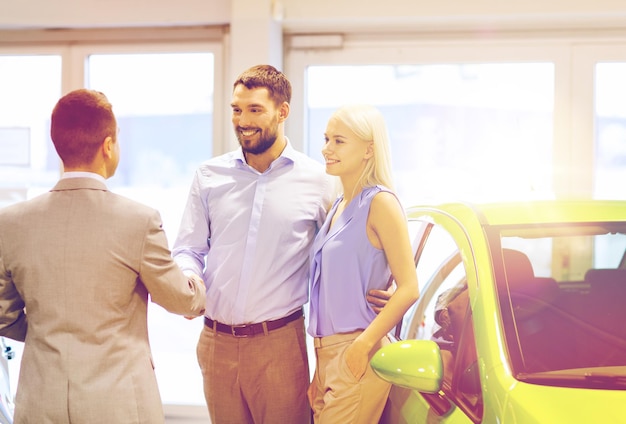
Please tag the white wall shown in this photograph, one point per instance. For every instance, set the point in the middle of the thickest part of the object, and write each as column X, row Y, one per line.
column 255, row 28
column 402, row 14
column 306, row 15
column 37, row 14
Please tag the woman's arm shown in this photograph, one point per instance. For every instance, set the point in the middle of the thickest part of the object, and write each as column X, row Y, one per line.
column 387, row 229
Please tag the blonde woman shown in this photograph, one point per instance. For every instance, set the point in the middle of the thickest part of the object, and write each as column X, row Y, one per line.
column 364, row 239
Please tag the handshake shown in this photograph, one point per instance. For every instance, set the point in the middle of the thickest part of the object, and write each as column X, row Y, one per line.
column 196, row 283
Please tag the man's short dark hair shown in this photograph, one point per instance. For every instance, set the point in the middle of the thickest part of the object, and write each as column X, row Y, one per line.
column 266, row 76
column 80, row 122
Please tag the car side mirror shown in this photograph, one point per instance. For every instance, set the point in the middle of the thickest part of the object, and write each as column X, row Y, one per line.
column 412, row 364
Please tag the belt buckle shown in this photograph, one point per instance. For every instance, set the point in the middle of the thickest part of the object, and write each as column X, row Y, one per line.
column 233, row 330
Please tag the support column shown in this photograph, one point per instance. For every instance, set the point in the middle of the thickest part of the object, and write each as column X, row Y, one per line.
column 256, row 37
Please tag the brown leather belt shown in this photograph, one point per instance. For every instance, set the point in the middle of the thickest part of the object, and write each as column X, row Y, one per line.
column 248, row 330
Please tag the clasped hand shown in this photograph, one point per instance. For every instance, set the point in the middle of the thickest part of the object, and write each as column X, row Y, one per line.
column 200, row 285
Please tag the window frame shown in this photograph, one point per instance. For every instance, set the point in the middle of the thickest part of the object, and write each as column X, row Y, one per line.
column 75, row 46
column 573, row 53
column 466, row 345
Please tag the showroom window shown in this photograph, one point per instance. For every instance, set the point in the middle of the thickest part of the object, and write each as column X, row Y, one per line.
column 164, row 106
column 458, row 131
column 495, row 118
column 610, row 131
column 30, row 85
column 163, row 96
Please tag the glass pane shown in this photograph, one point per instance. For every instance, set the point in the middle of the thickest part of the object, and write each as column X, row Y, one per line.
column 566, row 321
column 164, row 106
column 436, row 263
column 29, row 88
column 463, row 131
column 610, row 127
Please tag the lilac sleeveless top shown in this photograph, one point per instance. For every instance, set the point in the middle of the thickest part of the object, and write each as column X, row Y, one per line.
column 344, row 267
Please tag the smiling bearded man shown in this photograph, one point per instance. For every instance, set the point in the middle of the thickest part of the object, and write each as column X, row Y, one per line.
column 250, row 218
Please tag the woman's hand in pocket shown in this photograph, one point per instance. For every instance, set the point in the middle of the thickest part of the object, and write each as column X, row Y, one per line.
column 357, row 359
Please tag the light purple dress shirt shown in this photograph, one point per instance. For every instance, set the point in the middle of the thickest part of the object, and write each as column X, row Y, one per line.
column 249, row 233
column 344, row 267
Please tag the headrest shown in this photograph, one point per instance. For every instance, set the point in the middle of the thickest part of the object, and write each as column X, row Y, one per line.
column 519, row 271
column 605, row 275
column 522, row 280
column 606, row 279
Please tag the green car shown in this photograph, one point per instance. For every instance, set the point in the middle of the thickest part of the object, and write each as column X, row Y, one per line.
column 521, row 316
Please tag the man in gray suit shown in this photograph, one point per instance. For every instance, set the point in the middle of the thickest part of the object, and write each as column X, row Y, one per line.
column 77, row 265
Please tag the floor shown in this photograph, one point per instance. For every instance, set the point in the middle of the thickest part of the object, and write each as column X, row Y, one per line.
column 182, row 420
column 186, row 414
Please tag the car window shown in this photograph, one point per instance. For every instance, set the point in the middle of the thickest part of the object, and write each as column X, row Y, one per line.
column 438, row 257
column 442, row 314
column 562, row 297
column 465, row 387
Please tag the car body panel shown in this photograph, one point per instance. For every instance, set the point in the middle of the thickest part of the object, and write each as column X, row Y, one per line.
column 6, row 396
column 477, row 230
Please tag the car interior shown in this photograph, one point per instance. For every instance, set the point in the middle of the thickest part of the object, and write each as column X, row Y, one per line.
column 560, row 329
column 555, row 328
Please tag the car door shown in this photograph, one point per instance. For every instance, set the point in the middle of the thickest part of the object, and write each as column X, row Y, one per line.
column 442, row 314
column 6, row 395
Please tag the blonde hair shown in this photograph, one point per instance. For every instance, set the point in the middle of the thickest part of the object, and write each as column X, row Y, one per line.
column 369, row 125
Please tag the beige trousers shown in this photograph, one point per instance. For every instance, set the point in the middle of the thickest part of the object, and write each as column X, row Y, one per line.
column 260, row 379
column 338, row 396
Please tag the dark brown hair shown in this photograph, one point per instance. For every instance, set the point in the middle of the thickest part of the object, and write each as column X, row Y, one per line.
column 80, row 122
column 266, row 76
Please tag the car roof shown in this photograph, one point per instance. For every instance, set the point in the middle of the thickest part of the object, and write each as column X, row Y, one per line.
column 530, row 212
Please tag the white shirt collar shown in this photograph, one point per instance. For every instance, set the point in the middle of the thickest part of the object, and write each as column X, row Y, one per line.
column 83, row 174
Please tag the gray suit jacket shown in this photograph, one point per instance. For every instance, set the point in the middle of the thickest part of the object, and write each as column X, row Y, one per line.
column 77, row 265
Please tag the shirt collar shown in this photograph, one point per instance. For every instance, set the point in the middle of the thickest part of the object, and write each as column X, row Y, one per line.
column 288, row 154
column 83, row 174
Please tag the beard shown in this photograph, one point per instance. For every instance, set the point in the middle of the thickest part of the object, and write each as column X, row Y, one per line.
column 267, row 138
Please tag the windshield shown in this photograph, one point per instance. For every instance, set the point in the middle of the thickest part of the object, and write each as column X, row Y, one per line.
column 562, row 292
